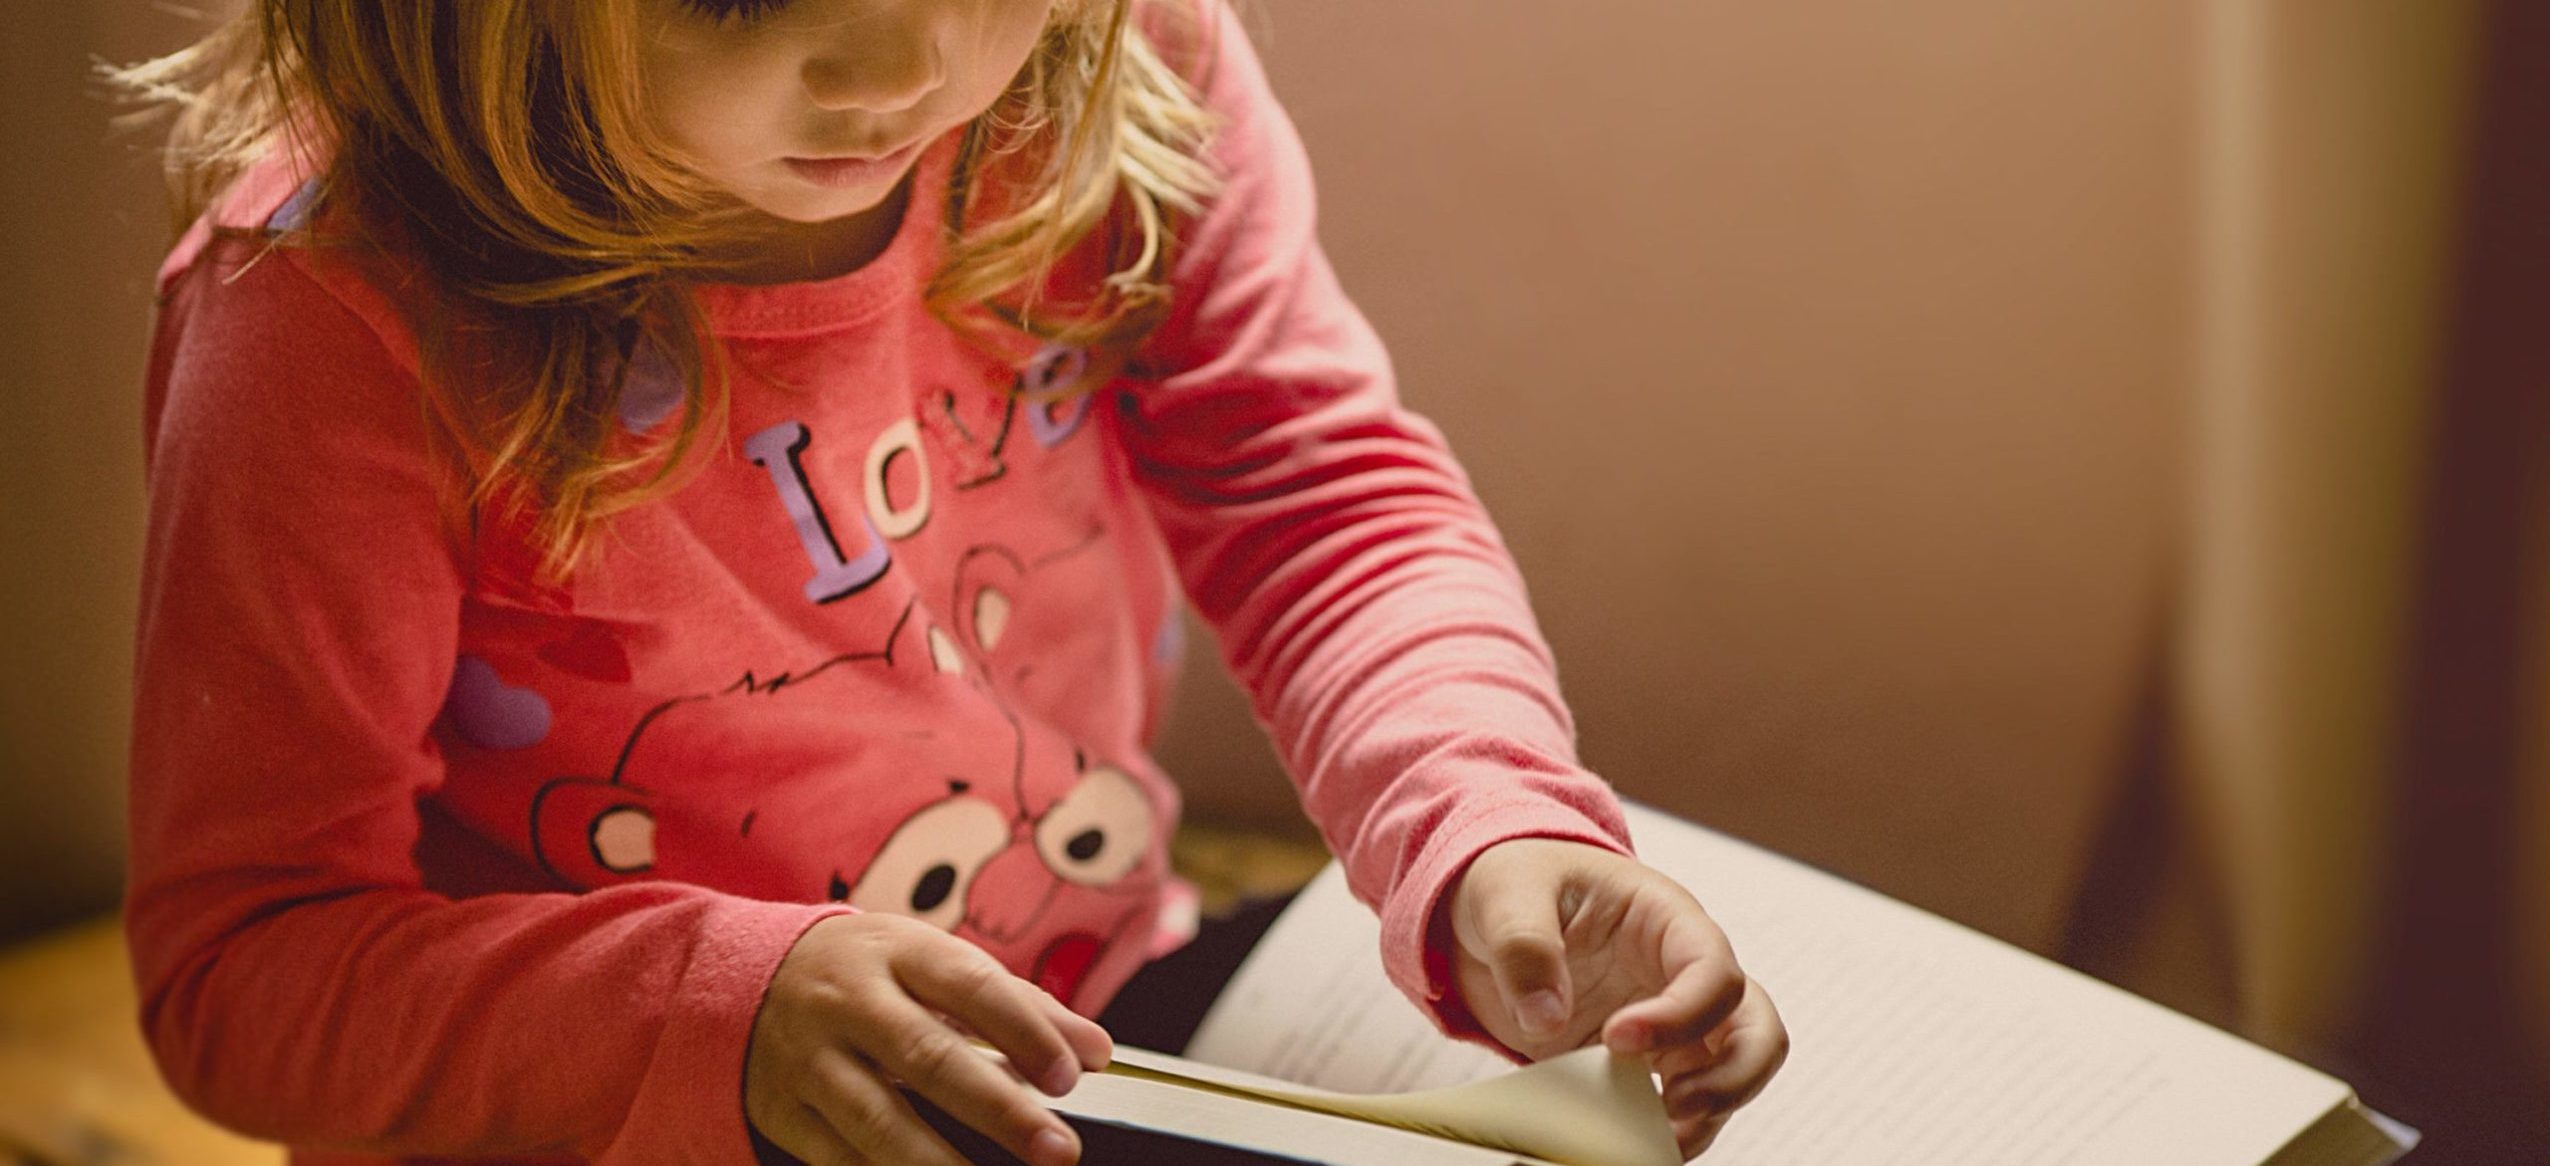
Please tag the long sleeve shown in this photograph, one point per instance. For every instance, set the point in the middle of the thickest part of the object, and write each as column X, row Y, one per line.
column 1357, row 588
column 300, row 605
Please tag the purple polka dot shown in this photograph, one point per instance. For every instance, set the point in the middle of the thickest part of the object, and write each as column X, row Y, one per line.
column 1169, row 645
column 653, row 392
column 492, row 714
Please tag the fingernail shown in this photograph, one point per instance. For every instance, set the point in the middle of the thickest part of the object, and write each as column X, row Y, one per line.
column 1060, row 1077
column 1052, row 1148
column 1542, row 1013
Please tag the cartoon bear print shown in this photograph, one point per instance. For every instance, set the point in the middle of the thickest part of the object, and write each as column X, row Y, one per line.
column 895, row 780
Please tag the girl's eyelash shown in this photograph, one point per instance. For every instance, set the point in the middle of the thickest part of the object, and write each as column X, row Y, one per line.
column 734, row 11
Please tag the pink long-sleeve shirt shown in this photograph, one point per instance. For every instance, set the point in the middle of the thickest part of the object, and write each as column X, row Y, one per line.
column 430, row 859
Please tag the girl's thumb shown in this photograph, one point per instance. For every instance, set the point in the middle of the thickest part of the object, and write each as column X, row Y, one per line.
column 1528, row 955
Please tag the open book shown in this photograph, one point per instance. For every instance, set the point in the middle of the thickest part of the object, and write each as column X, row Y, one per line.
column 1914, row 1041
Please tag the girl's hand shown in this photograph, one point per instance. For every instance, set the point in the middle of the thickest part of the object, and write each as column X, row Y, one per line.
column 1557, row 944
column 865, row 1001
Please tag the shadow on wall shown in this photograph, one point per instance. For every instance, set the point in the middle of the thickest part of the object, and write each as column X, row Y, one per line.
column 2457, row 1004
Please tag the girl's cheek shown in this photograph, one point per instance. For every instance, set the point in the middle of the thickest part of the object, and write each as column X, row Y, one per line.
column 702, row 104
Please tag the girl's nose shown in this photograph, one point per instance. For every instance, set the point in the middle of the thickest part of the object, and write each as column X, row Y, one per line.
column 885, row 63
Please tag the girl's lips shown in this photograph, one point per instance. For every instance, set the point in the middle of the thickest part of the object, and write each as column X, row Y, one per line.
column 853, row 172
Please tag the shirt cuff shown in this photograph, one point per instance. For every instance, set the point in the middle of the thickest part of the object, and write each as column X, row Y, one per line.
column 690, row 1105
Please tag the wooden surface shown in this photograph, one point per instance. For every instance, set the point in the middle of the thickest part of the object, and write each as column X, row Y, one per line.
column 76, row 1085
column 77, row 1088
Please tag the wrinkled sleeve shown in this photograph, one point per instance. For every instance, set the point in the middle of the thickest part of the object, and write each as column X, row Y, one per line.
column 1356, row 586
column 297, row 630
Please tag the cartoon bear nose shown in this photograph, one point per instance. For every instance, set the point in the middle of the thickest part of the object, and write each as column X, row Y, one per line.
column 1009, row 894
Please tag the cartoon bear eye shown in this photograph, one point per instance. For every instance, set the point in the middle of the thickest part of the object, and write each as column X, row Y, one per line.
column 925, row 868
column 1099, row 831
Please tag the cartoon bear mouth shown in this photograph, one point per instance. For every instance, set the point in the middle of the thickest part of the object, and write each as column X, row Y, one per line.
column 1065, row 963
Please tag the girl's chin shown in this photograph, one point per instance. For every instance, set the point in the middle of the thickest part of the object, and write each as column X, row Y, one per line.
column 830, row 207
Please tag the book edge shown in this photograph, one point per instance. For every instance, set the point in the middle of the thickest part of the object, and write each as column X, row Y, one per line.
column 2348, row 1134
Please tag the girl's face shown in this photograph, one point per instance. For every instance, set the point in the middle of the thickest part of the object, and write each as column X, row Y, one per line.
column 812, row 111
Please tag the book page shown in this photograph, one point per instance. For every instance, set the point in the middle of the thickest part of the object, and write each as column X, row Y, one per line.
column 1591, row 1107
column 1913, row 1040
column 1204, row 1115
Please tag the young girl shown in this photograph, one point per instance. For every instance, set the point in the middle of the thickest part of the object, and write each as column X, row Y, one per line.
column 667, row 520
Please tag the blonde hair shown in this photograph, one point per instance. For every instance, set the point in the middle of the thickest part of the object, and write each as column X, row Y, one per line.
column 505, row 141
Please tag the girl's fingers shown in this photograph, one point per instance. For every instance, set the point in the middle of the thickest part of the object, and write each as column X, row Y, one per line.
column 1695, row 1134
column 1009, row 1013
column 1704, row 987
column 1752, row 1049
column 867, row 1115
column 925, row 1054
column 1087, row 1039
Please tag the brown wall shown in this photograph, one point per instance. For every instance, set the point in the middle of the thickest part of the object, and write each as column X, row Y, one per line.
column 83, row 229
column 1823, row 363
